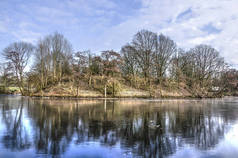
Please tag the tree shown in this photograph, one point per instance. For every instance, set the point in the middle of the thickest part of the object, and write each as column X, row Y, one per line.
column 207, row 63
column 129, row 66
column 79, row 67
column 228, row 82
column 199, row 66
column 17, row 55
column 43, row 61
column 61, row 52
column 182, row 67
column 96, row 66
column 144, row 46
column 165, row 49
column 52, row 59
column 6, row 75
column 81, row 62
column 111, row 61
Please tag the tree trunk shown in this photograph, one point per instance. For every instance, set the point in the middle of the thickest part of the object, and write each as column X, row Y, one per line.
column 90, row 81
column 105, row 91
column 77, row 90
column 113, row 90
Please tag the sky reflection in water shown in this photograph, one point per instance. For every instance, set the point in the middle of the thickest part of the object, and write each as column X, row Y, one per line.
column 33, row 127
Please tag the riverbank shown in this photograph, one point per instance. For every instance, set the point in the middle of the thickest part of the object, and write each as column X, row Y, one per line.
column 9, row 90
column 66, row 90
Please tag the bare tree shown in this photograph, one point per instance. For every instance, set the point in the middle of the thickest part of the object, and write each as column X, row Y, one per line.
column 144, row 44
column 17, row 55
column 79, row 67
column 207, row 63
column 61, row 51
column 165, row 49
column 199, row 66
column 129, row 66
column 53, row 58
column 111, row 62
column 81, row 62
column 43, row 61
column 6, row 75
column 228, row 82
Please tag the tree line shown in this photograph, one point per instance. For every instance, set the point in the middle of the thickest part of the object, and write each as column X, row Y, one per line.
column 150, row 61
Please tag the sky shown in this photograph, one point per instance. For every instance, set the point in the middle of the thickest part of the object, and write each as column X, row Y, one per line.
column 99, row 25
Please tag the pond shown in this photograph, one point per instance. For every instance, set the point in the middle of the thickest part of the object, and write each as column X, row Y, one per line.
column 88, row 128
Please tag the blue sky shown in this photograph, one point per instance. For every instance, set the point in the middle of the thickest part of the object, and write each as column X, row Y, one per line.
column 109, row 24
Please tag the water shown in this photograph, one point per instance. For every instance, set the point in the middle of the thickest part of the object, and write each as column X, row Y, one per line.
column 34, row 127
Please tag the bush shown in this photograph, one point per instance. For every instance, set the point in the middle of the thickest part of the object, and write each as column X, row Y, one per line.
column 99, row 83
column 2, row 89
column 113, row 85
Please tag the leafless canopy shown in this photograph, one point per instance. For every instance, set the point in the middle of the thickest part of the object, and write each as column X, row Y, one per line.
column 17, row 55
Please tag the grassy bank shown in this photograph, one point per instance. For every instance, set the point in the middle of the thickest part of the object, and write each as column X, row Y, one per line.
column 9, row 90
column 84, row 91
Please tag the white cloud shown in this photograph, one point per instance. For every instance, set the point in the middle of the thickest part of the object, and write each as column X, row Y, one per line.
column 228, row 144
column 27, row 36
column 200, row 40
column 162, row 16
column 100, row 25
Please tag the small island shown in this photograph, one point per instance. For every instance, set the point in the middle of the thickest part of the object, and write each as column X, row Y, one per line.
column 150, row 66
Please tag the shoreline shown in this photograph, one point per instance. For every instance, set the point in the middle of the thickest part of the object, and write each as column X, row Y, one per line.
column 118, row 97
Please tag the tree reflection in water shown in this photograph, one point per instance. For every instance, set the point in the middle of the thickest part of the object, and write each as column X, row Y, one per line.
column 146, row 128
column 16, row 136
